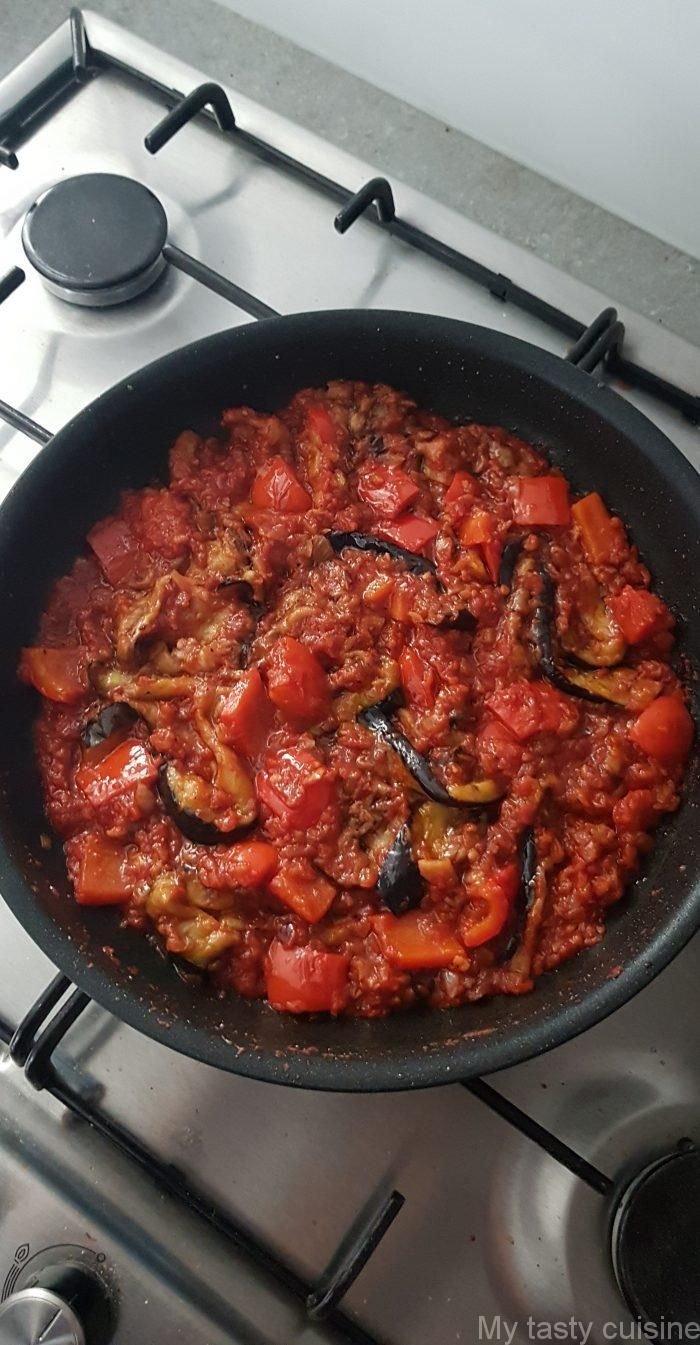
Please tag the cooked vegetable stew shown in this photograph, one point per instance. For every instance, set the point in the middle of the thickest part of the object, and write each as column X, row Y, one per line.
column 363, row 709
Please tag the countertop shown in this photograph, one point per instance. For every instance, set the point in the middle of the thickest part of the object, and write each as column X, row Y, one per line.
column 630, row 265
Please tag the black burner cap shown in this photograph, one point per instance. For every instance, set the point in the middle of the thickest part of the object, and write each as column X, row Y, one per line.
column 655, row 1239
column 96, row 238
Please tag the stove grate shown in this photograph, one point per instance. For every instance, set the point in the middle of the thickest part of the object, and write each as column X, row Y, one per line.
column 38, row 1035
column 32, row 1044
column 191, row 266
column 527, row 1125
column 374, row 200
column 596, row 343
column 11, row 282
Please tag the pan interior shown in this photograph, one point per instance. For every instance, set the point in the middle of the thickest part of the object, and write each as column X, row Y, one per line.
column 466, row 373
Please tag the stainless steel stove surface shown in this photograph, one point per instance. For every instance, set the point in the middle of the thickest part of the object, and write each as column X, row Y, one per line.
column 494, row 1230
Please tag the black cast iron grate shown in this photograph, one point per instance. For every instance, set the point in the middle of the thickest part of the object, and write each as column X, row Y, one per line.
column 32, row 1045
column 602, row 340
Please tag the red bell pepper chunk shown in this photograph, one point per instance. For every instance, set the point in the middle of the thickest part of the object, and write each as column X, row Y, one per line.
column 278, row 487
column 542, row 501
column 296, row 682
column 410, row 532
column 379, row 590
column 248, row 864
column 321, row 423
column 91, row 756
column 601, row 534
column 480, row 526
column 246, row 715
column 495, row 894
column 480, row 530
column 96, row 868
column 664, row 730
column 296, row 787
column 418, row 679
column 306, row 980
column 527, row 708
column 303, row 889
column 639, row 614
column 120, row 771
column 460, row 495
column 59, row 674
column 416, row 940
column 402, row 601
column 116, row 549
column 387, row 490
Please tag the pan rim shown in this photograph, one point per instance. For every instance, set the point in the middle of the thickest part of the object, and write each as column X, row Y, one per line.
column 459, row 1059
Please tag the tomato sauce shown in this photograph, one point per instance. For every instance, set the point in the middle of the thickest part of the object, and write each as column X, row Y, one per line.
column 362, row 709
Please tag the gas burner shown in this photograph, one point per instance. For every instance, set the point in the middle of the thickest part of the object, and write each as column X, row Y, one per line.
column 96, row 239
column 655, row 1234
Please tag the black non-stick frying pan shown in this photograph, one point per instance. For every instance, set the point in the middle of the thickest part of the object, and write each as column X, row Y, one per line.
column 121, row 440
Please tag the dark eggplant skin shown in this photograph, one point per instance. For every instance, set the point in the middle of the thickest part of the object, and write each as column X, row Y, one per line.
column 191, row 826
column 400, row 884
column 242, row 590
column 117, row 715
column 526, row 892
column 509, row 560
column 187, row 972
column 362, row 541
column 378, row 718
column 528, row 861
column 542, row 624
column 462, row 621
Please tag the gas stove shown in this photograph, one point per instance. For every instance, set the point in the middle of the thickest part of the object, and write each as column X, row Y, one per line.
column 148, row 1198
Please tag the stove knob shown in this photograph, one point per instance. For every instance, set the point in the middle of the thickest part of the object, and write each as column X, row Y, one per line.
column 65, row 1305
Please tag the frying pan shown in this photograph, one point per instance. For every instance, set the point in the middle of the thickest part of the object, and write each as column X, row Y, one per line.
column 464, row 372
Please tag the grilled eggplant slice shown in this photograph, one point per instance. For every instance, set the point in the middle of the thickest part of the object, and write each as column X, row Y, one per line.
column 238, row 588
column 362, row 541
column 621, row 686
column 377, row 717
column 509, row 559
column 112, row 719
column 186, row 800
column 542, row 631
column 477, row 794
column 400, row 884
column 462, row 621
column 526, row 893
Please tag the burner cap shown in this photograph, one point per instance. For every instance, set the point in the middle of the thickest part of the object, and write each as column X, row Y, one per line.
column 96, row 239
column 655, row 1238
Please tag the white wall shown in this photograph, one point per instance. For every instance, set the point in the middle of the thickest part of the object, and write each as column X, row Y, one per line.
column 602, row 96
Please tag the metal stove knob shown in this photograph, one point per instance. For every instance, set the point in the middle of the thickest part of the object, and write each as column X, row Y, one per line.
column 65, row 1306
column 38, row 1317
